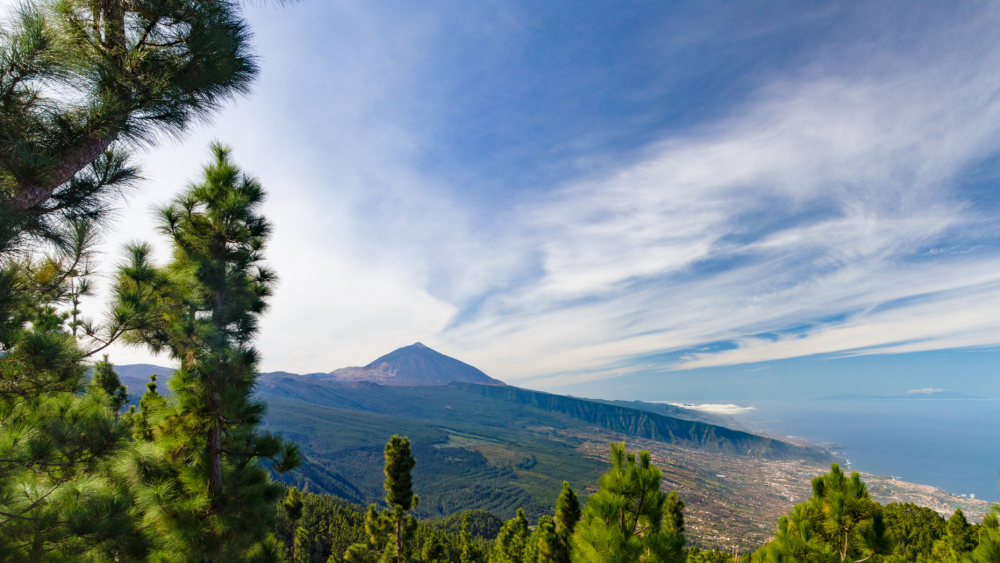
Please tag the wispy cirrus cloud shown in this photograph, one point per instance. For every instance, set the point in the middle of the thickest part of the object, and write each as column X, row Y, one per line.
column 826, row 216
column 558, row 194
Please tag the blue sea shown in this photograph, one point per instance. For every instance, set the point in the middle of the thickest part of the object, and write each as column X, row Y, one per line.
column 951, row 444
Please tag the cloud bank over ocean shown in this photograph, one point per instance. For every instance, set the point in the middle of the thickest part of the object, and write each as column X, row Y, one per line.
column 713, row 408
column 924, row 391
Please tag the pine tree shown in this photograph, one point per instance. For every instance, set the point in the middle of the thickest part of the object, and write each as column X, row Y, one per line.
column 957, row 541
column 629, row 519
column 399, row 490
column 471, row 553
column 434, row 550
column 300, row 553
column 988, row 550
column 293, row 509
column 912, row 529
column 567, row 515
column 840, row 522
column 65, row 491
column 567, row 510
column 390, row 531
column 137, row 68
column 544, row 544
column 105, row 380
column 203, row 308
column 293, row 505
column 82, row 81
column 149, row 405
column 512, row 541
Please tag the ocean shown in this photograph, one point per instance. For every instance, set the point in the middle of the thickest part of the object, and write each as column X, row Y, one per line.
column 951, row 444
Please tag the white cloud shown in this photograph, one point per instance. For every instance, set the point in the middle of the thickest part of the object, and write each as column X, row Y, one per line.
column 870, row 160
column 728, row 409
column 803, row 214
column 924, row 391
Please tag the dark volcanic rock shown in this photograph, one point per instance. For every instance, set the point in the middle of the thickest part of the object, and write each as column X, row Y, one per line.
column 413, row 365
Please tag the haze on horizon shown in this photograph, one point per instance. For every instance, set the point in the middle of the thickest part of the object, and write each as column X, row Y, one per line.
column 593, row 197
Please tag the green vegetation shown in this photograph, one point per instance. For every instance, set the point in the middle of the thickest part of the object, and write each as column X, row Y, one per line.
column 841, row 523
column 630, row 518
column 511, row 407
column 391, row 531
column 477, row 449
column 479, row 523
column 187, row 476
column 82, row 83
column 646, row 424
column 203, row 308
column 333, row 525
column 479, row 470
column 715, row 555
column 632, row 486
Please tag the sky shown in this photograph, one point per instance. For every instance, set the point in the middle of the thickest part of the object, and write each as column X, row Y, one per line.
column 663, row 200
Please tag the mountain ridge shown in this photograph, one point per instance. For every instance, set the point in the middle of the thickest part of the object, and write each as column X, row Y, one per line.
column 650, row 425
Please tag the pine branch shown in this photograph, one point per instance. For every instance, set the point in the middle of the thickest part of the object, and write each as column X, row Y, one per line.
column 32, row 195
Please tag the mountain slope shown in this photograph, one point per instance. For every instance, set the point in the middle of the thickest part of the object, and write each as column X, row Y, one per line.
column 674, row 411
column 505, row 407
column 412, row 365
column 649, row 425
column 498, row 407
column 136, row 376
column 489, row 447
column 459, row 465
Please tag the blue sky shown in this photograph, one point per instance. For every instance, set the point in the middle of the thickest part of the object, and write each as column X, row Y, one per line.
column 625, row 198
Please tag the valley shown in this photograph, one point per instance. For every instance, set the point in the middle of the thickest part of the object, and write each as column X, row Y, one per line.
column 498, row 448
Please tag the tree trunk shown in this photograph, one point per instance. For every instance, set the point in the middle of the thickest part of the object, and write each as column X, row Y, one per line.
column 214, row 451
column 34, row 194
column 214, row 448
column 37, row 548
column 109, row 32
column 399, row 540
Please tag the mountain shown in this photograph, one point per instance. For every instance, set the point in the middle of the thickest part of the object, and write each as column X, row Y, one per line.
column 489, row 447
column 486, row 445
column 412, row 365
column 136, row 376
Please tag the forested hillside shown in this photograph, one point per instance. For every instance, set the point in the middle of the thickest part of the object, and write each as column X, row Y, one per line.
column 838, row 522
column 461, row 465
column 496, row 448
column 513, row 407
column 645, row 424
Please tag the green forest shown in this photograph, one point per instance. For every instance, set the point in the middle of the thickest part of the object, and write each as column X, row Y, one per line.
column 195, row 475
column 629, row 518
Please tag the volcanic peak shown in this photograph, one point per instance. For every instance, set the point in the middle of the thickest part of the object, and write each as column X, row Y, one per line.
column 413, row 365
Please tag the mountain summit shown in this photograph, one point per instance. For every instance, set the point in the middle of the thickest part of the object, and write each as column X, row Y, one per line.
column 413, row 365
